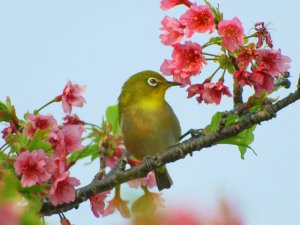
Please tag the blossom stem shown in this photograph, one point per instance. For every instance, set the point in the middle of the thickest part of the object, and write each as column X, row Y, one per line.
column 145, row 189
column 91, row 124
column 118, row 191
column 211, row 59
column 35, row 112
column 2, row 148
column 223, row 74
column 214, row 73
column 204, row 53
column 250, row 36
column 206, row 45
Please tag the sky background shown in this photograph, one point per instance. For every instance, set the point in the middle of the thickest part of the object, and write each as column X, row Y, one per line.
column 100, row 44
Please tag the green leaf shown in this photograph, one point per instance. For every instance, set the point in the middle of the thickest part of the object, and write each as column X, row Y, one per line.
column 112, row 117
column 8, row 103
column 38, row 141
column 215, row 121
column 242, row 140
column 255, row 108
column 5, row 115
column 215, row 40
column 216, row 11
column 230, row 119
column 90, row 150
column 16, row 141
column 3, row 106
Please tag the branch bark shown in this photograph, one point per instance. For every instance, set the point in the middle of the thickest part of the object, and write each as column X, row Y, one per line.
column 173, row 153
column 237, row 89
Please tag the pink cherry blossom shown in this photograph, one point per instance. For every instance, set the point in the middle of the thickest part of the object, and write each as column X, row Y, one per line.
column 115, row 155
column 167, row 4
column 187, row 61
column 72, row 96
column 198, row 19
column 245, row 57
column 272, row 61
column 41, row 122
column 98, row 203
column 63, row 189
column 61, row 166
column 232, row 33
column 67, row 140
column 265, row 82
column 263, row 35
column 72, row 134
column 173, row 31
column 148, row 181
column 11, row 129
column 244, row 77
column 209, row 92
column 72, row 120
column 34, row 167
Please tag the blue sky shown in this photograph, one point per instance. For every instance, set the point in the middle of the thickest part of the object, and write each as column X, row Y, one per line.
column 100, row 44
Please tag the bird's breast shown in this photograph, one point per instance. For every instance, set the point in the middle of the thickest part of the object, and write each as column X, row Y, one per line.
column 148, row 131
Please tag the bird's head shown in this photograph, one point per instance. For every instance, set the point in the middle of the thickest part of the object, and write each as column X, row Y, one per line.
column 145, row 86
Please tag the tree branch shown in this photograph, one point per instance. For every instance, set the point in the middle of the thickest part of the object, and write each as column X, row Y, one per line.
column 174, row 153
column 237, row 94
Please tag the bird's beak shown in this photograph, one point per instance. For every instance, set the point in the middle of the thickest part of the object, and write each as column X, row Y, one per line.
column 170, row 83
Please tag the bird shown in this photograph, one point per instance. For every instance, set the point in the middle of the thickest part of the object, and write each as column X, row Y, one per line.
column 148, row 123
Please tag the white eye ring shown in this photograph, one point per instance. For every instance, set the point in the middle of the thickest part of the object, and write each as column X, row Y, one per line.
column 152, row 82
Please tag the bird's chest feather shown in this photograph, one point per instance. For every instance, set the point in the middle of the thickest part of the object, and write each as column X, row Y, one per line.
column 148, row 131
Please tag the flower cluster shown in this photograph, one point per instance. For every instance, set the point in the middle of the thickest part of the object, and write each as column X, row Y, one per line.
column 37, row 167
column 188, row 58
column 42, row 147
column 266, row 66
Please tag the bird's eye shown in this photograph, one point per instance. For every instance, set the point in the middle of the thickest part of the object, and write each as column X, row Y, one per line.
column 152, row 82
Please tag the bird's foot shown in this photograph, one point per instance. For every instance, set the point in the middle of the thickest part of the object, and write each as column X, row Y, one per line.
column 193, row 132
column 122, row 164
column 151, row 162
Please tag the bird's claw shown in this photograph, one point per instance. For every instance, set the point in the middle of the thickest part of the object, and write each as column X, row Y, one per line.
column 123, row 163
column 193, row 132
column 148, row 161
column 151, row 161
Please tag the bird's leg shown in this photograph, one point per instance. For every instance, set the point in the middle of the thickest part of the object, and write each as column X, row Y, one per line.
column 122, row 163
column 151, row 161
column 193, row 133
column 148, row 161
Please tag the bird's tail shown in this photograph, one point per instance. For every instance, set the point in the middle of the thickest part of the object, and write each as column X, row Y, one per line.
column 163, row 179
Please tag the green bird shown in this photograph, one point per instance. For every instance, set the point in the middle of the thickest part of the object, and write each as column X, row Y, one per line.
column 148, row 123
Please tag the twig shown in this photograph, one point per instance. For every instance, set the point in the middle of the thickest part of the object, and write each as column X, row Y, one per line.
column 2, row 148
column 103, row 146
column 237, row 89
